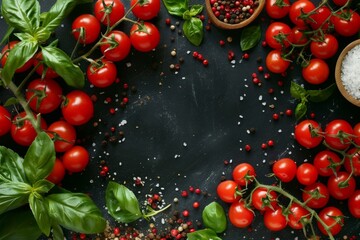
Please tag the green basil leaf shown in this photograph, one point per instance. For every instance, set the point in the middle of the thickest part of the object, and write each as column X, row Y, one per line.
column 58, row 60
column 6, row 36
column 43, row 186
column 193, row 30
column 321, row 95
column 76, row 212
column 196, row 9
column 250, row 37
column 11, row 166
column 214, row 217
column 300, row 110
column 203, row 234
column 186, row 15
column 39, row 210
column 58, row 12
column 57, row 232
column 19, row 224
column 176, row 7
column 17, row 57
column 23, row 15
column 297, row 91
column 122, row 203
column 13, row 195
column 39, row 159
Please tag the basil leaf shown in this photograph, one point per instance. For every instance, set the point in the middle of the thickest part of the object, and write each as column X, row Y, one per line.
column 122, row 203
column 176, row 7
column 17, row 57
column 13, row 195
column 23, row 15
column 43, row 186
column 203, row 234
column 58, row 12
column 196, row 9
column 11, row 166
column 6, row 36
column 186, row 15
column 321, row 95
column 300, row 110
column 76, row 212
column 250, row 37
column 214, row 217
column 39, row 210
column 297, row 91
column 18, row 224
column 193, row 30
column 58, row 60
column 39, row 160
column 57, row 232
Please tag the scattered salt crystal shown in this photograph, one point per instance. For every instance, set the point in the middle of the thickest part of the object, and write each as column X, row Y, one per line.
column 260, row 97
column 350, row 72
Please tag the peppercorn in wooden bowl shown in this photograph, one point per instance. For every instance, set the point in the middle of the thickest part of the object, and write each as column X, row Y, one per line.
column 347, row 72
column 233, row 14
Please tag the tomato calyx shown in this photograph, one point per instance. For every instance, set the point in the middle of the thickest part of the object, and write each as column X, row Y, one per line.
column 111, row 41
column 40, row 94
column 314, row 194
column 142, row 2
column 141, row 28
column 107, row 10
column 281, row 3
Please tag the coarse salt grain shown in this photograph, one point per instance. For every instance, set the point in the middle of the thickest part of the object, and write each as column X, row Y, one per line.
column 350, row 72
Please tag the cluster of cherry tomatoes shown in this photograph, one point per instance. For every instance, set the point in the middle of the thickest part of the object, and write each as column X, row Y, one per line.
column 312, row 38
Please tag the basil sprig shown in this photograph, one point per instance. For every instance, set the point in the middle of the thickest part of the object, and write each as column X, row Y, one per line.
column 193, row 26
column 34, row 29
column 250, row 37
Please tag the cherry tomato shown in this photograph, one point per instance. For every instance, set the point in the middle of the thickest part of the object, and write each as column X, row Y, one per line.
column 327, row 163
column 77, row 109
column 64, row 135
column 5, row 54
column 275, row 63
column 354, row 204
column 5, row 121
column 116, row 46
column 320, row 18
column 297, row 8
column 316, row 72
column 298, row 36
column 76, row 159
column 43, row 71
column 284, row 169
column 305, row 133
column 356, row 137
column 338, row 134
column 145, row 10
column 239, row 215
column 277, row 9
column 341, row 186
column 101, row 73
column 22, row 131
column 340, row 2
column 306, row 174
column 333, row 218
column 316, row 195
column 111, row 13
column 226, row 190
column 278, row 35
column 144, row 37
column 243, row 173
column 44, row 95
column 274, row 220
column 324, row 48
column 86, row 28
column 298, row 215
column 346, row 22
column 263, row 199
column 355, row 161
column 58, row 172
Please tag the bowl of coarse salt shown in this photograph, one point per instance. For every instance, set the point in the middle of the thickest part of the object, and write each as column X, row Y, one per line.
column 347, row 72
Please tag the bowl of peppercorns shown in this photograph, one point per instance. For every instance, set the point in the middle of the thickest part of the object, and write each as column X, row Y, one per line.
column 233, row 14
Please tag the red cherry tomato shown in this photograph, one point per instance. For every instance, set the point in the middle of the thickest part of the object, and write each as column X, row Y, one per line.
column 320, row 18
column 278, row 35
column 333, row 218
column 145, row 10
column 298, row 215
column 144, row 37
column 116, row 46
column 44, row 95
column 58, row 172
column 354, row 160
column 307, row 174
column 101, row 74
column 297, row 8
column 275, row 63
column 43, row 71
column 324, row 48
column 305, row 133
column 316, row 72
column 226, row 190
column 274, row 220
column 77, row 109
column 284, row 169
column 5, row 54
column 76, row 159
column 298, row 36
column 239, row 215
column 5, row 121
column 86, row 28
column 354, row 204
column 277, row 9
column 327, row 163
column 340, row 2
column 316, row 195
column 243, row 174
column 64, row 135
column 263, row 199
column 341, row 186
column 356, row 137
column 111, row 13
column 344, row 24
column 338, row 134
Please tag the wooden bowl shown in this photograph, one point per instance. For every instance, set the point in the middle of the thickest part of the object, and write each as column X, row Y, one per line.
column 229, row 26
column 338, row 73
